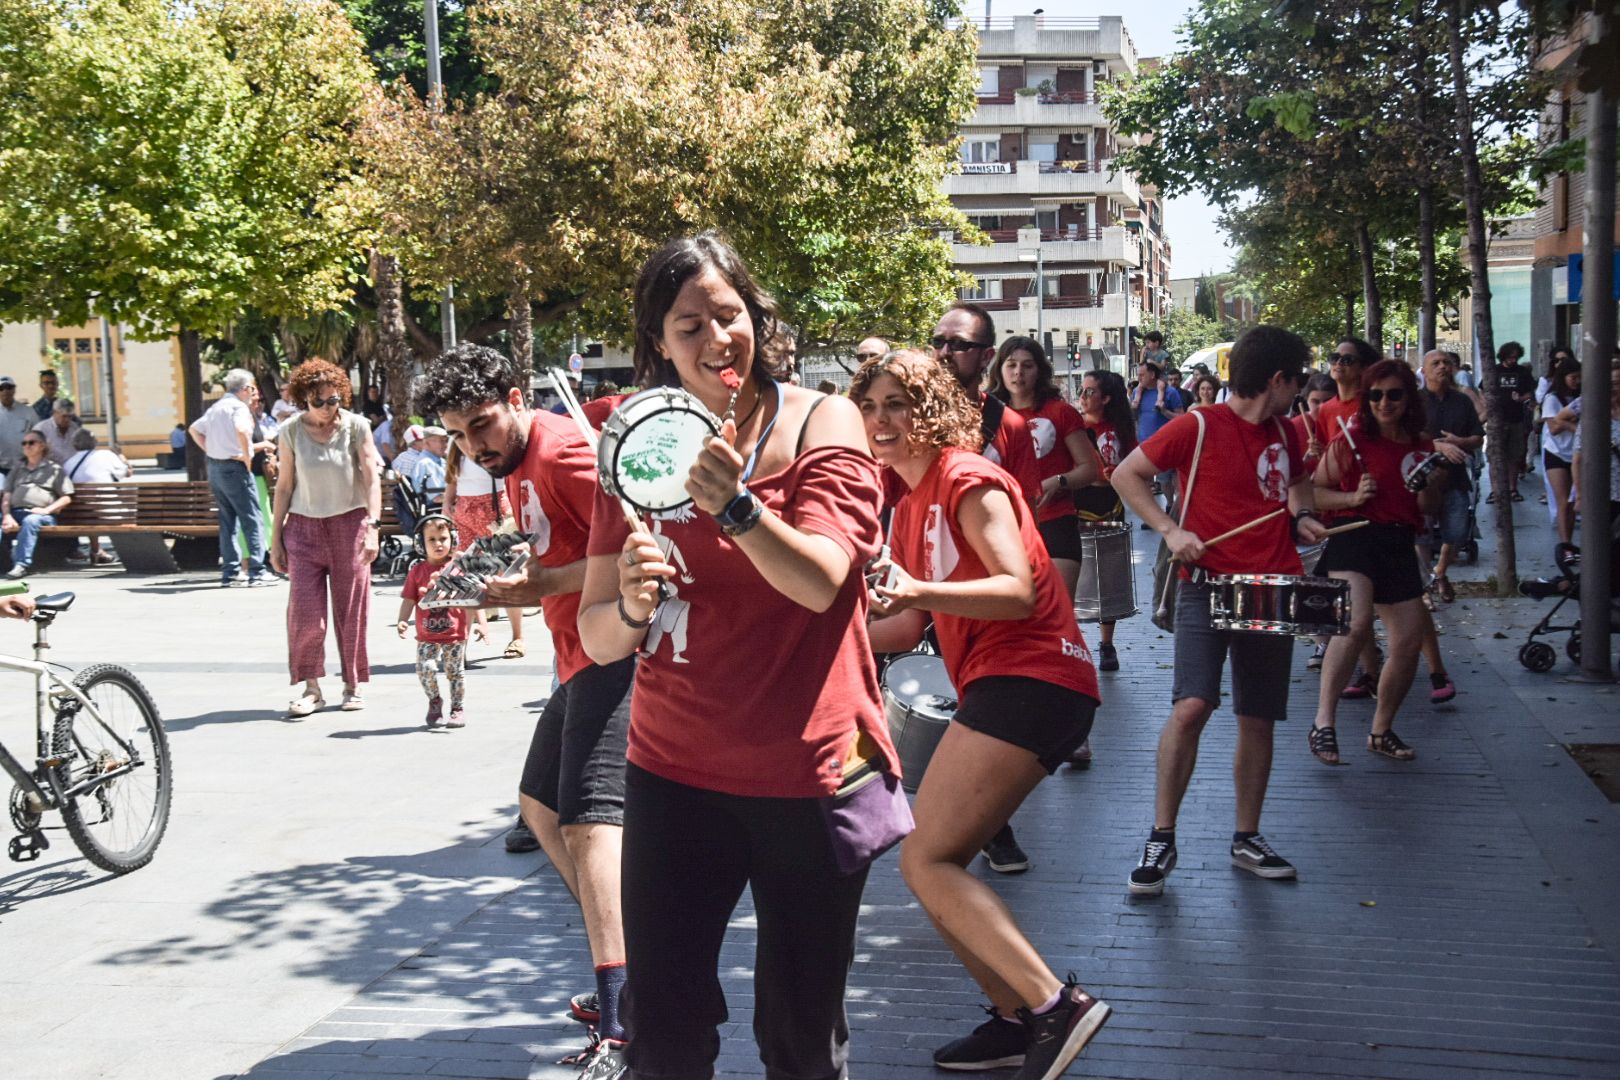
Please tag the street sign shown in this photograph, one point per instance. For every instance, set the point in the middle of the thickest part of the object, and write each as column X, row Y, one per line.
column 576, row 362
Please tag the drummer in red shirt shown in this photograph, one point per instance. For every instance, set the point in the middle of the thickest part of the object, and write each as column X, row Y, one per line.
column 1249, row 466
column 1106, row 407
column 965, row 549
column 1367, row 480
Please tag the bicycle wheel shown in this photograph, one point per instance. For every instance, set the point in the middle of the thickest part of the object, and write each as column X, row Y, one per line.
column 118, row 823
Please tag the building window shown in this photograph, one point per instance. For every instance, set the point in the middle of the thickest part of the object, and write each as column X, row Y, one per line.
column 983, row 289
column 83, row 373
column 981, row 151
column 1043, row 151
column 989, row 80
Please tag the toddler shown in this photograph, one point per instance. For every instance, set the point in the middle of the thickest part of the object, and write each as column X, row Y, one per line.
column 441, row 633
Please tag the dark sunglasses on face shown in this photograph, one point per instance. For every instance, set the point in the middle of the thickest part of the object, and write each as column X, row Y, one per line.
column 1395, row 395
column 863, row 357
column 33, row 442
column 957, row 344
column 1342, row 358
column 326, row 403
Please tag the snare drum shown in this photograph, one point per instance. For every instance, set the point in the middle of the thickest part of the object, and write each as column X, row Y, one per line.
column 648, row 446
column 1106, row 590
column 918, row 702
column 1280, row 604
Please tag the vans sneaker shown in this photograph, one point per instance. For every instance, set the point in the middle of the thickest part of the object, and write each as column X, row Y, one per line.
column 1003, row 853
column 1256, row 856
column 1158, row 859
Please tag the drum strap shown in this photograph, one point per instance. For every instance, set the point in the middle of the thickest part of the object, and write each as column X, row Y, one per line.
column 753, row 458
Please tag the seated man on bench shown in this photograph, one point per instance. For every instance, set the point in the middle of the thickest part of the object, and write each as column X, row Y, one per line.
column 36, row 490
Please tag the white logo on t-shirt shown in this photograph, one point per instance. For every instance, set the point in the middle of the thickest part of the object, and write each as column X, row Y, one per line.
column 533, row 518
column 1411, row 461
column 1044, row 432
column 1272, row 470
column 940, row 556
column 1108, row 448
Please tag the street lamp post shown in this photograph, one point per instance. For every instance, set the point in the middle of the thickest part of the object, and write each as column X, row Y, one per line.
column 430, row 25
column 1037, row 256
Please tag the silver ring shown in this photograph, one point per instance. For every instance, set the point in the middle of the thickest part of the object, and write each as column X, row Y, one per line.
column 629, row 558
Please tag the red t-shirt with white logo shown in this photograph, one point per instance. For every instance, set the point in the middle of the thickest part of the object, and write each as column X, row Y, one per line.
column 1388, row 461
column 1245, row 473
column 552, row 494
column 928, row 543
column 1050, row 424
column 1327, row 417
column 740, row 689
column 1013, row 449
column 440, row 626
column 1109, row 446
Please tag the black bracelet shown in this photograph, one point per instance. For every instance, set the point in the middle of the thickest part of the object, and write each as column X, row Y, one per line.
column 624, row 616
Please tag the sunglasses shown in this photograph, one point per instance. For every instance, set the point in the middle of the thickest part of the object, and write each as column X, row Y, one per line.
column 1340, row 358
column 1394, row 396
column 326, row 403
column 1090, row 391
column 957, row 344
column 863, row 357
column 33, row 442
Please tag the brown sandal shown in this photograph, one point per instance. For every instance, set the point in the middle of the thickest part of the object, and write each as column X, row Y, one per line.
column 1390, row 745
column 1324, row 742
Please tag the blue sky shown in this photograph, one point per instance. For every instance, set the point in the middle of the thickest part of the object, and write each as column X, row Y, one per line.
column 1197, row 244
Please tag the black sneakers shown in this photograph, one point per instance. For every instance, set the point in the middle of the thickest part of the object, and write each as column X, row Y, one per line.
column 1158, row 859
column 1255, row 855
column 997, row 1043
column 520, row 840
column 1107, row 657
column 1057, row 1037
column 1003, row 853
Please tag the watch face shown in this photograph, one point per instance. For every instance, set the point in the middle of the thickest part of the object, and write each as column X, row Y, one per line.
column 738, row 509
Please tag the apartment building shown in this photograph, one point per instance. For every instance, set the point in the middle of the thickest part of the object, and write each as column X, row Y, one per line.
column 1078, row 255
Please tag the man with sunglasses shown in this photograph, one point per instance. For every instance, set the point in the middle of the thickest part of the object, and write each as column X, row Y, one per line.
column 964, row 344
column 36, row 490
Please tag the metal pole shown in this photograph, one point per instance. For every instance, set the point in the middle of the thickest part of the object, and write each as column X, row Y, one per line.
column 430, row 32
column 1597, row 353
column 1040, row 294
column 112, row 400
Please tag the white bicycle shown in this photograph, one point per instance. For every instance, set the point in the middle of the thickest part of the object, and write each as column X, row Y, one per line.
column 103, row 762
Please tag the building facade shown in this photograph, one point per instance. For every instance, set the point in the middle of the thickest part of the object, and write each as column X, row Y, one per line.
column 1078, row 255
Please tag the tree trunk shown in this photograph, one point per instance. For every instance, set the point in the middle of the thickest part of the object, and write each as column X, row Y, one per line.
column 1349, row 314
column 519, row 310
column 191, row 393
column 1507, row 576
column 1597, row 349
column 1429, row 305
column 393, row 354
column 1374, row 327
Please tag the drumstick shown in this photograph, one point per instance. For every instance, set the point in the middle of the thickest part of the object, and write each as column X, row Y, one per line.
column 1337, row 529
column 1351, row 439
column 1227, row 535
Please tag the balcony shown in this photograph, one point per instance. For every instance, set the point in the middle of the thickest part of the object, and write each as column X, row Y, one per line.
column 1080, row 312
column 1039, row 37
column 1113, row 244
column 1043, row 178
column 1070, row 110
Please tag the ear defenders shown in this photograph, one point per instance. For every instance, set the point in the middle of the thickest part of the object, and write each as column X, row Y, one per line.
column 455, row 533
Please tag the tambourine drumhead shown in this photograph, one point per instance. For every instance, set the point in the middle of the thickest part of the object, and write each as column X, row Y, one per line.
column 648, row 446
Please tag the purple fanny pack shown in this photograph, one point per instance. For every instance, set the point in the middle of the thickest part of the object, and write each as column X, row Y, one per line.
column 868, row 816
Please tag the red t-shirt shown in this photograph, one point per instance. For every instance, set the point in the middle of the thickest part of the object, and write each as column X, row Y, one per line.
column 740, row 689
column 928, row 543
column 1109, row 445
column 1013, row 449
column 440, row 625
column 1327, row 417
column 599, row 409
column 1050, row 425
column 1246, row 471
column 552, row 494
column 1389, row 462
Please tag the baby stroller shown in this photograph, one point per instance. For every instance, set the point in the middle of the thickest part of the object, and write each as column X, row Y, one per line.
column 1539, row 656
column 399, row 552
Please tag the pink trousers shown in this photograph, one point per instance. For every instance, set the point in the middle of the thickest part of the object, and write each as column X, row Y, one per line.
column 323, row 552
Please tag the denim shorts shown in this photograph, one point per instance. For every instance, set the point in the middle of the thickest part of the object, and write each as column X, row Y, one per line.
column 576, row 757
column 1261, row 663
column 1454, row 514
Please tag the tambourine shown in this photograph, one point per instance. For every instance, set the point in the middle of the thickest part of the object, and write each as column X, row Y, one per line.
column 648, row 445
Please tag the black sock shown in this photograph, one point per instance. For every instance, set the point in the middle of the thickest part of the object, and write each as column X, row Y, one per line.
column 1239, row 837
column 609, row 985
column 1163, row 836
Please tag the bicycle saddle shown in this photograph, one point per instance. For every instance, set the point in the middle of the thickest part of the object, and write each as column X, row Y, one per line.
column 55, row 603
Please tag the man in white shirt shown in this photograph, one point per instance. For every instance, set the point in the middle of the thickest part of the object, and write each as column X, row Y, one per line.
column 16, row 420
column 59, row 430
column 427, row 475
column 284, row 405
column 225, row 433
column 404, row 465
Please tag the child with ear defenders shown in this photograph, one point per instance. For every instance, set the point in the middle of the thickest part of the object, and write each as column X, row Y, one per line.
column 441, row 633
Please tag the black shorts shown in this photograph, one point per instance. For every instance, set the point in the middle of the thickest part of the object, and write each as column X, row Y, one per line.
column 1384, row 553
column 1048, row 720
column 1062, row 538
column 1551, row 462
column 576, row 757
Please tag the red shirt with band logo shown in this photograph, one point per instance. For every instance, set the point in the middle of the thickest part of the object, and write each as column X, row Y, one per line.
column 1050, row 425
column 1388, row 461
column 928, row 543
column 740, row 689
column 552, row 494
column 1011, row 447
column 1245, row 473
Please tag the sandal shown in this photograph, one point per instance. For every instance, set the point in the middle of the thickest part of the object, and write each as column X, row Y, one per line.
column 1443, row 586
column 1390, row 745
column 307, row 703
column 352, row 701
column 515, row 649
column 1324, row 742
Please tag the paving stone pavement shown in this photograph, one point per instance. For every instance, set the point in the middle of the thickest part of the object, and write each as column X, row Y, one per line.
column 1454, row 916
column 332, row 900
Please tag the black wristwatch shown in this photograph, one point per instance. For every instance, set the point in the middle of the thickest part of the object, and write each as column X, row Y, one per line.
column 740, row 514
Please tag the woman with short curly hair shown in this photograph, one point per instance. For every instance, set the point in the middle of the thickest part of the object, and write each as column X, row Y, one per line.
column 965, row 550
column 328, row 501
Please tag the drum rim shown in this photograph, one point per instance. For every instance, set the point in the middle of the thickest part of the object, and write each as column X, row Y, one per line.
column 674, row 399
column 1277, row 579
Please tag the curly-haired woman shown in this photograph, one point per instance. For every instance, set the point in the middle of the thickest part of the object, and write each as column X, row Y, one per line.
column 967, row 551
column 328, row 498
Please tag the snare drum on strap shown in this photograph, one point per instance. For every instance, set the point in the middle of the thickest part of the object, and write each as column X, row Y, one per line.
column 1106, row 590
column 648, row 446
column 1280, row 604
column 918, row 702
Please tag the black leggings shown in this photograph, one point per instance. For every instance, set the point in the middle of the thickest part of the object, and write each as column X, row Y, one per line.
column 688, row 855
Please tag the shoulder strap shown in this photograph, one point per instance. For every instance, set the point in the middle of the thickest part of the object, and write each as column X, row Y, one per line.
column 798, row 447
column 991, row 417
column 78, row 464
column 1192, row 474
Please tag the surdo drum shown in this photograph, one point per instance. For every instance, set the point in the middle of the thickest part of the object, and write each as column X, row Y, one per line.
column 918, row 702
column 648, row 446
column 1280, row 604
column 1106, row 590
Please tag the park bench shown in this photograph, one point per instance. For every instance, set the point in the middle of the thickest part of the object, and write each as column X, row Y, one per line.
column 141, row 518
